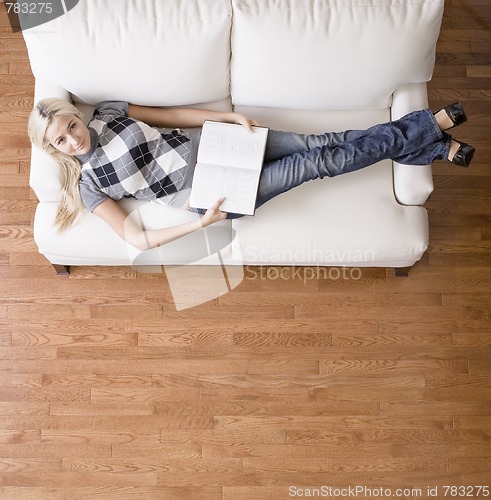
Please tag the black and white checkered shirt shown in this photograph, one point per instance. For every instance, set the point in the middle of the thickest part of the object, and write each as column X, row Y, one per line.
column 131, row 159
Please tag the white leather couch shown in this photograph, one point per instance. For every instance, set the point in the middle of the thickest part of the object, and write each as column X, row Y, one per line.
column 302, row 65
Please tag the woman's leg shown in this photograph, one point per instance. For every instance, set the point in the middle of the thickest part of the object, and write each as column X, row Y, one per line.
column 281, row 144
column 415, row 138
column 436, row 151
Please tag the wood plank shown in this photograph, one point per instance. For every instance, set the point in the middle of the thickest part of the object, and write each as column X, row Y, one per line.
column 69, row 479
column 385, row 366
column 126, row 492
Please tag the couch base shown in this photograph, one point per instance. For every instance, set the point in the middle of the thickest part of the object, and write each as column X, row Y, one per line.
column 398, row 272
column 61, row 270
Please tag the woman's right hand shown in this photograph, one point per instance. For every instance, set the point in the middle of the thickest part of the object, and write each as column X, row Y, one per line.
column 213, row 214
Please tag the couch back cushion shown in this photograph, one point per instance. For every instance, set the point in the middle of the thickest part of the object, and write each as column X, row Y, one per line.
column 331, row 54
column 148, row 52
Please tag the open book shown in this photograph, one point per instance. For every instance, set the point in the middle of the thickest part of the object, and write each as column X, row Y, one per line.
column 229, row 165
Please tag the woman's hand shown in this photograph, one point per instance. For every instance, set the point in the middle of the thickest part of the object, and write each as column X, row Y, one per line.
column 213, row 214
column 245, row 121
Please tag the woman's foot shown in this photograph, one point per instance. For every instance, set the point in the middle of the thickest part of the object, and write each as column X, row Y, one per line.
column 450, row 116
column 460, row 153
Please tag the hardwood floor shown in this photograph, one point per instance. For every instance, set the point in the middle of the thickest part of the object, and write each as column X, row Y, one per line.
column 277, row 388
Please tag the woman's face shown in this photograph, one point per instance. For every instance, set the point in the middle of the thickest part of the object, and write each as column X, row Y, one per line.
column 68, row 134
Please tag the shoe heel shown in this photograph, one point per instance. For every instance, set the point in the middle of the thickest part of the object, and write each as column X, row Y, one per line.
column 464, row 155
column 456, row 114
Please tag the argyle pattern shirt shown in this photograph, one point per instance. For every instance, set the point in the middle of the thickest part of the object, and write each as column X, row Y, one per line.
column 131, row 159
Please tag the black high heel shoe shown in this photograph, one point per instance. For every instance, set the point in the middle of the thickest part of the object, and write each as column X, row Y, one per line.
column 464, row 154
column 456, row 114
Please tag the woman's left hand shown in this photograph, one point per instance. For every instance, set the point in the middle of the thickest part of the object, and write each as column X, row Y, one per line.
column 245, row 121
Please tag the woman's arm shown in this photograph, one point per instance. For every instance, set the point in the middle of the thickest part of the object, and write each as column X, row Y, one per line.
column 118, row 219
column 184, row 117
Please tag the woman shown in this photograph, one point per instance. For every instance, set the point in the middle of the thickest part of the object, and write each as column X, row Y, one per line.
column 124, row 152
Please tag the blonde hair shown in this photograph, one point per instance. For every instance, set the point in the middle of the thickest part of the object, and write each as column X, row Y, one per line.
column 41, row 117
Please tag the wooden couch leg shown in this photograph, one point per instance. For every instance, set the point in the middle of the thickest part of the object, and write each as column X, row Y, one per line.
column 61, row 270
column 401, row 272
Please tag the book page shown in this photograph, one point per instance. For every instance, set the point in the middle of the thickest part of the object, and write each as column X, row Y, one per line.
column 236, row 185
column 231, row 145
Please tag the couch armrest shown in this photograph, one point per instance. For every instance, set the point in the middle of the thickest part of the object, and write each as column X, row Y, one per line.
column 412, row 184
column 44, row 89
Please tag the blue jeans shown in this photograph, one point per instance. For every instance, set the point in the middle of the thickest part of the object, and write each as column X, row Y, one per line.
column 292, row 159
